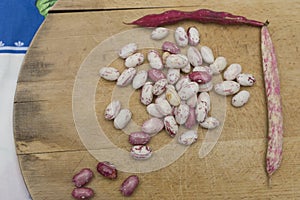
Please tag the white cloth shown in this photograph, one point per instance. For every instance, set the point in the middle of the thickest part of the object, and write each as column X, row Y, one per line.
column 12, row 185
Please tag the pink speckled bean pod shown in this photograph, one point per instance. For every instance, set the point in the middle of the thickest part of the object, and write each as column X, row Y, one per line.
column 272, row 87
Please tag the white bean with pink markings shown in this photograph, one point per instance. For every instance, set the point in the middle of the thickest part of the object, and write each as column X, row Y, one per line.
column 173, row 75
column 176, row 61
column 146, row 93
column 159, row 33
column 126, row 77
column 232, row 72
column 181, row 37
column 245, row 79
column 181, row 113
column 188, row 90
column 139, row 79
column 170, row 125
column 193, row 36
column 210, row 123
column 122, row 119
column 194, row 56
column 155, row 61
column 207, row 54
column 188, row 137
column 128, row 50
column 134, row 60
column 159, row 86
column 109, row 73
column 227, row 88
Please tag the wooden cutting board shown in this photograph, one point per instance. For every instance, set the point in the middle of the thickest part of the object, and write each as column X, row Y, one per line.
column 50, row 150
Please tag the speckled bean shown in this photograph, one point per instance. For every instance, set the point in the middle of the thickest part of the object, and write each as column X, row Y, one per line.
column 240, row 99
column 107, row 170
column 155, row 61
column 193, row 36
column 159, row 33
column 109, row 73
column 122, row 119
column 141, row 152
column 232, row 72
column 83, row 177
column 181, row 37
column 129, row 185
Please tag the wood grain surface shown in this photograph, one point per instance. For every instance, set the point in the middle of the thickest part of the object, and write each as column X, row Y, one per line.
column 50, row 151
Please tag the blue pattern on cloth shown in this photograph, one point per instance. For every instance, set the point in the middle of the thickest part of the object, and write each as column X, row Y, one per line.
column 19, row 21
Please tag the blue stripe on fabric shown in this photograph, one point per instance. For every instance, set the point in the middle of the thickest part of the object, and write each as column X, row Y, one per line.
column 14, row 51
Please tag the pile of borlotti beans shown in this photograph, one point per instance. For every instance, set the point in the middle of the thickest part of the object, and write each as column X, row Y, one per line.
column 175, row 90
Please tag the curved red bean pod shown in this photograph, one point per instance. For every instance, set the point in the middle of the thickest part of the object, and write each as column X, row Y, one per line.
column 272, row 87
column 201, row 15
column 82, row 177
column 82, row 193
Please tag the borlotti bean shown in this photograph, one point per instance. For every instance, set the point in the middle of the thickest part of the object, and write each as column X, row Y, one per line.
column 181, row 37
column 173, row 75
column 109, row 73
column 112, row 110
column 139, row 79
column 161, row 97
column 159, row 86
column 192, row 101
column 172, row 96
column 155, row 74
column 210, row 123
column 141, row 152
column 188, row 137
column 227, row 88
column 122, row 119
column 240, row 99
column 155, row 61
column 204, row 97
column 207, row 54
column 191, row 120
column 159, row 33
column 187, row 68
column 232, row 72
column 176, row 61
column 219, row 65
column 126, row 77
column 200, row 77
column 170, row 47
column 170, row 125
column 129, row 185
column 153, row 110
column 188, row 90
column 164, row 107
column 201, row 111
column 194, row 56
column 128, row 50
column 181, row 113
column 152, row 126
column 193, row 36
column 134, row 60
column 245, row 79
column 181, row 82
column 146, row 96
column 140, row 138
column 206, row 87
